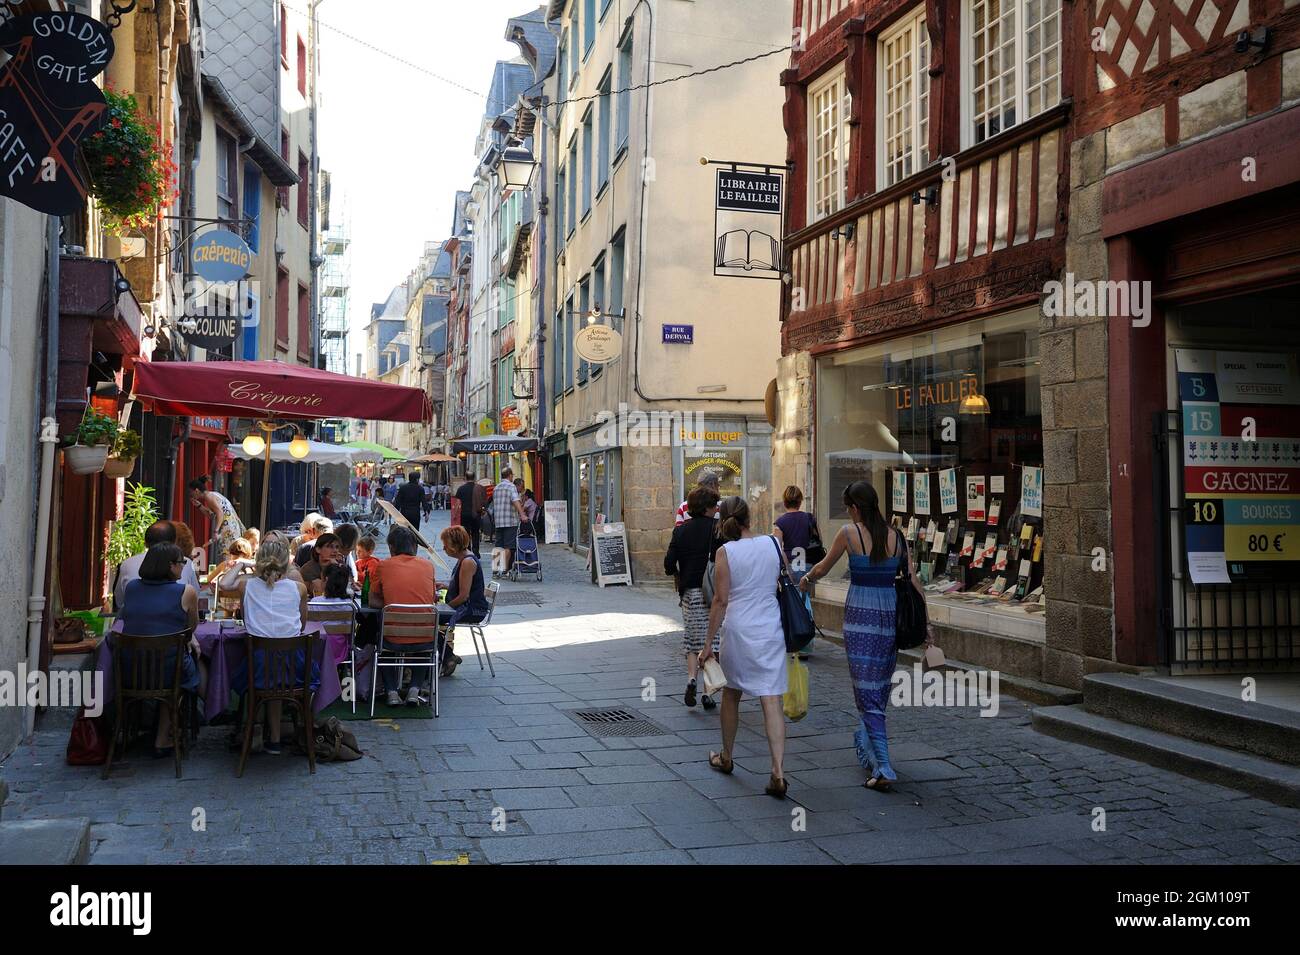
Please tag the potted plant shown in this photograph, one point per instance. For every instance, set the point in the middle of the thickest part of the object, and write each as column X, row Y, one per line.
column 86, row 450
column 132, row 174
column 121, row 459
column 126, row 537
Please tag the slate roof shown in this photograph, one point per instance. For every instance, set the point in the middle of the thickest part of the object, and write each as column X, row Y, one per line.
column 242, row 47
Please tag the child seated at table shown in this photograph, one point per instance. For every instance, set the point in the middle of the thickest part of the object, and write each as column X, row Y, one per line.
column 227, row 602
column 338, row 588
column 366, row 559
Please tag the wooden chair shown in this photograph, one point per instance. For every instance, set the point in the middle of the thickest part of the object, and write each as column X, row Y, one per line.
column 148, row 680
column 280, row 676
column 340, row 620
column 476, row 629
column 407, row 620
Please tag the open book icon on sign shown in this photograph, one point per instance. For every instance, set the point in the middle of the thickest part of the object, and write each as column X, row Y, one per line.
column 748, row 250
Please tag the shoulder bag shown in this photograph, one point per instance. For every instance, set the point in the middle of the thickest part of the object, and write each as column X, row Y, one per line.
column 910, row 621
column 796, row 621
column 815, row 552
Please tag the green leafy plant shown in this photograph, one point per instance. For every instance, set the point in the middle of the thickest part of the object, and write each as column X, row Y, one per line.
column 127, row 536
column 95, row 430
column 127, row 445
column 131, row 170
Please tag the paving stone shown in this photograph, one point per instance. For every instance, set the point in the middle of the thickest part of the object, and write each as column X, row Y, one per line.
column 875, row 847
column 778, row 853
column 699, row 835
column 570, row 845
column 584, row 819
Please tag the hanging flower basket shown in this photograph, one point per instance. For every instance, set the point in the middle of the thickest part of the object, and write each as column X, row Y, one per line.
column 126, row 448
column 86, row 450
column 85, row 460
column 119, row 468
column 132, row 175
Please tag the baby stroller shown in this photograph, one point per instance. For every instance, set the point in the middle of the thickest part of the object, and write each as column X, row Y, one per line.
column 527, row 556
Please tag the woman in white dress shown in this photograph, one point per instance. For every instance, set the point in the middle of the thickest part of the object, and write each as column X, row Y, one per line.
column 226, row 526
column 753, row 643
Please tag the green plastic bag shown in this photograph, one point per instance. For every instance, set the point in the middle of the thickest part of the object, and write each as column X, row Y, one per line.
column 796, row 694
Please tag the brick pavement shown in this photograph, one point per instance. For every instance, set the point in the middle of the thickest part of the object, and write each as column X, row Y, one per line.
column 505, row 756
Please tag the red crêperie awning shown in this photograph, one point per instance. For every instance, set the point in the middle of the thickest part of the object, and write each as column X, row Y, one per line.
column 272, row 389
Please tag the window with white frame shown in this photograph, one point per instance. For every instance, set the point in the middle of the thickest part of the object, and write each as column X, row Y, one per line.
column 828, row 144
column 1014, row 61
column 904, row 99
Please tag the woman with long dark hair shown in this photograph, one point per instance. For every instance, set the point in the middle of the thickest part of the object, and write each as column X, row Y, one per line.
column 226, row 527
column 869, row 611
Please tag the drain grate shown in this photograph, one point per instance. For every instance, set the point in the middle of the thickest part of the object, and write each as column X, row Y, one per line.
column 612, row 721
column 508, row 598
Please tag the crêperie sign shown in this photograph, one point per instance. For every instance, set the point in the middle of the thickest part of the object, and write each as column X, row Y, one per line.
column 48, row 104
column 221, row 256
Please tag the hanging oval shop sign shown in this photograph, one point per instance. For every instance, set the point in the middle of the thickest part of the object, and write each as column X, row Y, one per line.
column 598, row 344
column 214, row 327
column 221, row 256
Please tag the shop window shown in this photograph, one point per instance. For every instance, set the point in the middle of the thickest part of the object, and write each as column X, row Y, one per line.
column 947, row 427
column 904, row 84
column 828, row 144
column 1014, row 59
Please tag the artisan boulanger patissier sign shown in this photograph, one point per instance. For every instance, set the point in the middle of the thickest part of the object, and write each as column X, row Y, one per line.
column 48, row 104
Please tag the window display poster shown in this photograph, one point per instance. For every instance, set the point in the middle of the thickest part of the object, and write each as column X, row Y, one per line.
column 1000, row 562
column 1031, row 491
column 1241, row 464
column 557, row 521
column 900, row 492
column 975, row 489
column 921, row 493
column 727, row 463
column 997, row 484
column 968, row 544
column 948, row 491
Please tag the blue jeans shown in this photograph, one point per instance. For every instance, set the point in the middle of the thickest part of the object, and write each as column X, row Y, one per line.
column 392, row 675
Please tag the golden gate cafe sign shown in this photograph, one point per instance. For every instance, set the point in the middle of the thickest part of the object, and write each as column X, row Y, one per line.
column 48, row 104
column 747, row 223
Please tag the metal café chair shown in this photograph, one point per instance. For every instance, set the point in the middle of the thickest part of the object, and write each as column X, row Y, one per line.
column 340, row 620
column 476, row 629
column 146, row 658
column 283, row 682
column 407, row 620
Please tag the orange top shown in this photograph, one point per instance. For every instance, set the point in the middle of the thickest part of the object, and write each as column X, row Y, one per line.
column 403, row 580
column 366, row 565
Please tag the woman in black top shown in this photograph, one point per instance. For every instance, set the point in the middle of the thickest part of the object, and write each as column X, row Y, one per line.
column 687, row 560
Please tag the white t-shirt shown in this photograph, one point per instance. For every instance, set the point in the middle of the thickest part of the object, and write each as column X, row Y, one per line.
column 129, row 570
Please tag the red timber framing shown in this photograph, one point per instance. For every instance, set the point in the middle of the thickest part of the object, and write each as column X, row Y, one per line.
column 993, row 234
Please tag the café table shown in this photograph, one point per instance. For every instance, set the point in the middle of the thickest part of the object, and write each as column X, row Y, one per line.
column 222, row 645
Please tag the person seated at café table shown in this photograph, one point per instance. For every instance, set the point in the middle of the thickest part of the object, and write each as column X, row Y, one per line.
column 465, row 588
column 185, row 541
column 348, row 534
column 329, row 551
column 239, row 550
column 275, row 605
column 254, row 537
column 405, row 579
column 337, row 589
column 157, row 603
column 313, row 526
column 159, row 532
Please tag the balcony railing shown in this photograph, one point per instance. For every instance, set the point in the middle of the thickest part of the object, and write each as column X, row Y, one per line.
column 812, row 15
column 1003, row 194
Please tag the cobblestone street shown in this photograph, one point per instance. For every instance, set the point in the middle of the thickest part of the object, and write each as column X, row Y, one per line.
column 506, row 752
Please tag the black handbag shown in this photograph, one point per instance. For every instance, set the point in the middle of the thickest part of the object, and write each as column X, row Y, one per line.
column 910, row 621
column 796, row 621
column 815, row 552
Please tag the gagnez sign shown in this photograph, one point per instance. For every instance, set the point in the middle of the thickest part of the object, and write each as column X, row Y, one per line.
column 48, row 104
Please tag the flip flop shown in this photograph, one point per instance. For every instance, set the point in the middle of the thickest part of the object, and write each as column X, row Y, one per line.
column 879, row 784
column 777, row 787
column 722, row 764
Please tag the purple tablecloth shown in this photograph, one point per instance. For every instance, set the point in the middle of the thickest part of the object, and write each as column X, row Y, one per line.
column 224, row 650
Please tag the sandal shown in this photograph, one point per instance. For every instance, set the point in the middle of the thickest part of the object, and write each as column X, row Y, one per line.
column 722, row 764
column 879, row 784
column 777, row 787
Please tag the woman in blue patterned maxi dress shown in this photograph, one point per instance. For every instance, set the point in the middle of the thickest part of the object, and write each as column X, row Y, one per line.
column 874, row 553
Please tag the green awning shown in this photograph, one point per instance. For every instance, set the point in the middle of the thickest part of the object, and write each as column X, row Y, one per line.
column 388, row 453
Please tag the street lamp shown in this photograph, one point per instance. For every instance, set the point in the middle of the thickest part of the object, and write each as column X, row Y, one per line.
column 254, row 444
column 299, row 446
column 515, row 168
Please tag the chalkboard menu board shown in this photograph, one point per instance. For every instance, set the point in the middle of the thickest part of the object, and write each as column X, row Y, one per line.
column 612, row 562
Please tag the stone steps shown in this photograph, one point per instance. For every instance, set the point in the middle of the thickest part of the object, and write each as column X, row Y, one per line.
column 1261, row 730
column 45, row 842
column 1275, row 781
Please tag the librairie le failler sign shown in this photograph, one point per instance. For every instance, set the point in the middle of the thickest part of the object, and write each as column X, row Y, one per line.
column 48, row 104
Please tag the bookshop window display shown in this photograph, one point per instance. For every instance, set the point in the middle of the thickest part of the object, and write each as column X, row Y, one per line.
column 947, row 426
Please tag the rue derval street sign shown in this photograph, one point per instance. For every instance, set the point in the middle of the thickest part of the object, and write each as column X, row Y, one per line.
column 49, row 103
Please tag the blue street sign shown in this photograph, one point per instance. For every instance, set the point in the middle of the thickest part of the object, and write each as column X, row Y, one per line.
column 679, row 334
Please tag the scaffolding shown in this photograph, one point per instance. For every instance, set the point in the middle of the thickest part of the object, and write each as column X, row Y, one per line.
column 335, row 282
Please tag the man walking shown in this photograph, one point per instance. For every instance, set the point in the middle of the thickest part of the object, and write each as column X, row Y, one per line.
column 409, row 499
column 471, row 497
column 507, row 513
